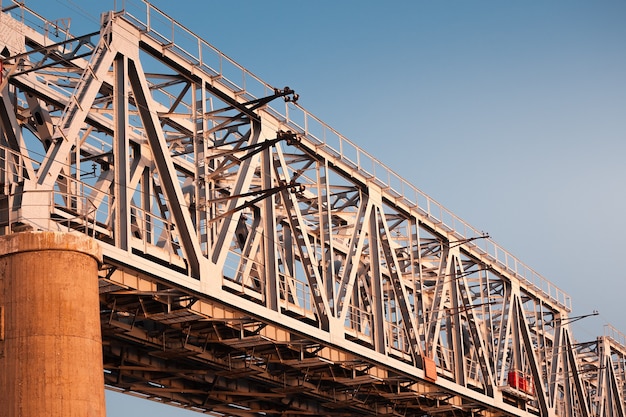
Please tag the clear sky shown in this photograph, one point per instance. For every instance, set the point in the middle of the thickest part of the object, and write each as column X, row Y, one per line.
column 512, row 114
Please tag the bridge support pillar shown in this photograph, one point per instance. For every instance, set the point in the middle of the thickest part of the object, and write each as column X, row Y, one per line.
column 50, row 337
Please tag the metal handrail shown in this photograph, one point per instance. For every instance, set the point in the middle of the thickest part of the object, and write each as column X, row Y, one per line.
column 224, row 70
column 325, row 137
column 614, row 334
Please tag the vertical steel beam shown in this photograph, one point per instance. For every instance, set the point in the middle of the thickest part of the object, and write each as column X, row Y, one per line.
column 376, row 286
column 329, row 273
column 120, row 154
column 270, row 238
column 455, row 325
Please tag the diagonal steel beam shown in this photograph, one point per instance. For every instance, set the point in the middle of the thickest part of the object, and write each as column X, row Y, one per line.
column 165, row 167
column 73, row 118
column 353, row 257
column 573, row 366
column 485, row 360
column 12, row 133
column 544, row 407
column 399, row 289
column 436, row 310
column 230, row 220
column 307, row 256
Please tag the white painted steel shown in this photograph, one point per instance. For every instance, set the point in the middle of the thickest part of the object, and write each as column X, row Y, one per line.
column 233, row 221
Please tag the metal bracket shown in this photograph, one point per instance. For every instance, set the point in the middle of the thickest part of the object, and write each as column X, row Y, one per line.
column 292, row 186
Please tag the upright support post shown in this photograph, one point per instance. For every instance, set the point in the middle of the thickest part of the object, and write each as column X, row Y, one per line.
column 51, row 343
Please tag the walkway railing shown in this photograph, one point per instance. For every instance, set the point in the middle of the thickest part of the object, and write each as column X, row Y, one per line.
column 224, row 70
column 229, row 73
column 614, row 334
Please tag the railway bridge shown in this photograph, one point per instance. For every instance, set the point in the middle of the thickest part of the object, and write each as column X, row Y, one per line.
column 253, row 261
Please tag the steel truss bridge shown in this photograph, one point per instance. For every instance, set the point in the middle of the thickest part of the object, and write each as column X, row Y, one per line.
column 256, row 262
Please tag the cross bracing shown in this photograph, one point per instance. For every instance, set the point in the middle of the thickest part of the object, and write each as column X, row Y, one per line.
column 257, row 262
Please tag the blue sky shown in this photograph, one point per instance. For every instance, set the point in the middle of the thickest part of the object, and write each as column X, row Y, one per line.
column 511, row 114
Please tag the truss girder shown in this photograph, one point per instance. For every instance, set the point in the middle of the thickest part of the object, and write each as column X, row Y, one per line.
column 238, row 246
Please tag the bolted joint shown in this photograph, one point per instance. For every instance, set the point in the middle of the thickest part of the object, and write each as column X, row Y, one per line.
column 288, row 94
column 289, row 137
column 292, row 186
column 296, row 188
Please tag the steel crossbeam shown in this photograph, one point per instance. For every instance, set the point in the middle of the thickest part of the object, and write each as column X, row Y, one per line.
column 251, row 268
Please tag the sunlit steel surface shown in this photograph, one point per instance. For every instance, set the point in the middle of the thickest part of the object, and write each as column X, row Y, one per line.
column 256, row 261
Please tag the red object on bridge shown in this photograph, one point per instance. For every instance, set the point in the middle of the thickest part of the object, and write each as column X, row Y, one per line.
column 518, row 380
column 514, row 379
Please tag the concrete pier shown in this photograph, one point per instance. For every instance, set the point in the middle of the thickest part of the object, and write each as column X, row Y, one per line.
column 50, row 338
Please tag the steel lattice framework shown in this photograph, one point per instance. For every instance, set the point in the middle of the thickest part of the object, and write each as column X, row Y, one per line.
column 257, row 262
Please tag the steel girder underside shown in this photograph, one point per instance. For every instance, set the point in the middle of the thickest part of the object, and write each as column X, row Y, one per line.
column 251, row 266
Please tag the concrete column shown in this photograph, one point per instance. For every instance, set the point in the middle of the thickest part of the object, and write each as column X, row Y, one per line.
column 50, row 339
